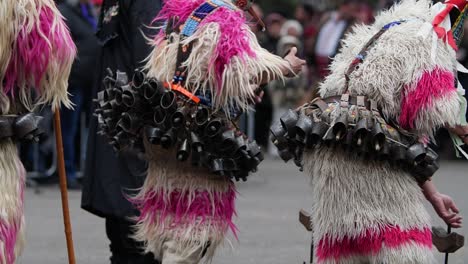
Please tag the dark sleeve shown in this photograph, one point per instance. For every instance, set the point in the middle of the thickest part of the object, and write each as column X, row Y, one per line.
column 67, row 13
column 142, row 13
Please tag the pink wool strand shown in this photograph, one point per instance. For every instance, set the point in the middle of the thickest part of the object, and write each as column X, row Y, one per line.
column 34, row 50
column 189, row 208
column 180, row 9
column 233, row 41
column 370, row 242
column 9, row 230
column 432, row 86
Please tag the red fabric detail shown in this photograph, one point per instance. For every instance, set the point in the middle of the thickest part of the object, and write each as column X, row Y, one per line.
column 432, row 86
column 460, row 4
column 441, row 32
column 370, row 243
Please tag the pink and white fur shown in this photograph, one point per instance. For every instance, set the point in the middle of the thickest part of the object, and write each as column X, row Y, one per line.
column 36, row 52
column 183, row 207
column 368, row 211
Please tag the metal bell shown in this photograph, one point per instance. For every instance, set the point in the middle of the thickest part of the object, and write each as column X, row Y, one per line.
column 138, row 78
column 25, row 125
column 278, row 136
column 169, row 101
column 416, row 154
column 340, row 128
column 378, row 137
column 159, row 116
column 152, row 91
column 184, row 151
column 197, row 144
column 169, row 139
column 303, row 129
column 288, row 121
column 202, row 116
column 361, row 131
column 398, row 153
column 154, row 135
column 214, row 128
column 228, row 142
column 179, row 117
column 130, row 123
column 319, row 130
column 6, row 127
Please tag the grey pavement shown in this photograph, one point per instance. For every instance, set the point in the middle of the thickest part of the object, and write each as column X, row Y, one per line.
column 268, row 206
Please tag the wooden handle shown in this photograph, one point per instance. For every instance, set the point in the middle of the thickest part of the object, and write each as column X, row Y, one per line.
column 63, row 187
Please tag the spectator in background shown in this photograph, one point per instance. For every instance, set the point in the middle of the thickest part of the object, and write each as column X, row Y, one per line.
column 273, row 22
column 331, row 33
column 80, row 19
column 109, row 175
column 365, row 14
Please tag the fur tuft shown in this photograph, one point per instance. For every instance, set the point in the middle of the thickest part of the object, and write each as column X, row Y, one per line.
column 42, row 54
column 12, row 180
column 184, row 205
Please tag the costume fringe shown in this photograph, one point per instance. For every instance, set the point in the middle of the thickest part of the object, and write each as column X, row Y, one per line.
column 42, row 53
column 182, row 204
column 12, row 182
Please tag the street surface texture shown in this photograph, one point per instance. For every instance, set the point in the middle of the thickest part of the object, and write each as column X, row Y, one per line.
column 268, row 206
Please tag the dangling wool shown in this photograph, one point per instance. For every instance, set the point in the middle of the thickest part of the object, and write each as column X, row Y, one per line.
column 370, row 211
column 12, row 181
column 36, row 52
column 42, row 54
column 186, row 207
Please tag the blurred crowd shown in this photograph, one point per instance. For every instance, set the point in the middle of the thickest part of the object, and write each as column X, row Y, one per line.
column 314, row 27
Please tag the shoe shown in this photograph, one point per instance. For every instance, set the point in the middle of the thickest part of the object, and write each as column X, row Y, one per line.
column 73, row 185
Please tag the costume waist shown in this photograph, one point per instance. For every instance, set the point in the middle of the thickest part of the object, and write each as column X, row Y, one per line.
column 355, row 123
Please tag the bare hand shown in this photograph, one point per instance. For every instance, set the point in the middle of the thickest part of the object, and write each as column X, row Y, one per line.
column 446, row 209
column 295, row 63
column 462, row 132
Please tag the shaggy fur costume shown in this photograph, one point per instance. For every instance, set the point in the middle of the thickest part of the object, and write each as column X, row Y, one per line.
column 368, row 211
column 36, row 51
column 184, row 206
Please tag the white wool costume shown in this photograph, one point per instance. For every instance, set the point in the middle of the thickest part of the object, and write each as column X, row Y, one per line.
column 367, row 211
column 185, row 209
column 36, row 53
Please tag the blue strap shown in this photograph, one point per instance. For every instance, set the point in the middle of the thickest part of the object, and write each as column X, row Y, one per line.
column 205, row 9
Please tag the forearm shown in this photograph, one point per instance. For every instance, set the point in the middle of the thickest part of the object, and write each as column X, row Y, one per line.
column 429, row 189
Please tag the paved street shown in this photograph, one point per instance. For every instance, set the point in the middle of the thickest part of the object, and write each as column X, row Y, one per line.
column 268, row 206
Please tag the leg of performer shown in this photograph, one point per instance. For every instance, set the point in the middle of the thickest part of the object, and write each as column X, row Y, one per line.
column 366, row 210
column 124, row 249
column 185, row 211
column 12, row 180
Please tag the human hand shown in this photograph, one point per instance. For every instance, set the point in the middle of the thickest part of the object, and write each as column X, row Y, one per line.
column 295, row 63
column 446, row 209
column 462, row 132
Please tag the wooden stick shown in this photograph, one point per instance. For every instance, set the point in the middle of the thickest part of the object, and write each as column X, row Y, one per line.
column 63, row 186
column 449, row 230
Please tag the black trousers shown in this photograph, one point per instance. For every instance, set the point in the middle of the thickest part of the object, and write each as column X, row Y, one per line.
column 124, row 249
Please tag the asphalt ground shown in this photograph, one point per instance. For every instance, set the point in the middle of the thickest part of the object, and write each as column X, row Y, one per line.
column 268, row 206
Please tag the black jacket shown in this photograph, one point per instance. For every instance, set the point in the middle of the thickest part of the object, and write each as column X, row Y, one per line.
column 108, row 175
column 83, row 35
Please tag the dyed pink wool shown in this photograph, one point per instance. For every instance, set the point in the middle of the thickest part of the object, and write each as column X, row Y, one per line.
column 233, row 41
column 9, row 230
column 432, row 86
column 370, row 243
column 33, row 51
column 183, row 208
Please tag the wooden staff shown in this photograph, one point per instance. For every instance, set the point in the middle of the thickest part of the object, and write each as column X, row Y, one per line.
column 63, row 186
